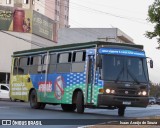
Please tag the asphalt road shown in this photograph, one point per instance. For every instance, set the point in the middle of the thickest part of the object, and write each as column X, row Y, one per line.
column 22, row 111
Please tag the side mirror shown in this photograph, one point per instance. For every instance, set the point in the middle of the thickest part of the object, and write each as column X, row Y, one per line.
column 151, row 63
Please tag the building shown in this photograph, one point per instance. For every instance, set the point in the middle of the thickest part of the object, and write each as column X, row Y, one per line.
column 77, row 35
column 29, row 24
column 57, row 10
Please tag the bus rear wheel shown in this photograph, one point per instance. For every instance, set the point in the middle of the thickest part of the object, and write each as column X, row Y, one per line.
column 121, row 111
column 33, row 100
column 42, row 105
column 68, row 107
column 80, row 102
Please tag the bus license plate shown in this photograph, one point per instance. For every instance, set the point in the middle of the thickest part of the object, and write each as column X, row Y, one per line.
column 126, row 102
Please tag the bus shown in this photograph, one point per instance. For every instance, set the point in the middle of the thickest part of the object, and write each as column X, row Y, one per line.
column 84, row 75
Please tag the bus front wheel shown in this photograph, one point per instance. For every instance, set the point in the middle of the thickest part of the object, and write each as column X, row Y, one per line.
column 121, row 111
column 80, row 102
column 33, row 100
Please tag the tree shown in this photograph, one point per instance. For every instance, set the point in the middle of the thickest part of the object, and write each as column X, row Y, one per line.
column 154, row 18
column 155, row 90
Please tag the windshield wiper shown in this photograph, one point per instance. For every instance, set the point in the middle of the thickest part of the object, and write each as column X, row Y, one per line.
column 119, row 74
column 133, row 76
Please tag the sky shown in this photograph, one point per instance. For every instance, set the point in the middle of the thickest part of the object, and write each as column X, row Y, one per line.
column 127, row 15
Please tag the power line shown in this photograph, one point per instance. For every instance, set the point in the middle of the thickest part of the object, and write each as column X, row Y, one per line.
column 80, row 25
column 63, row 16
column 108, row 6
column 114, row 15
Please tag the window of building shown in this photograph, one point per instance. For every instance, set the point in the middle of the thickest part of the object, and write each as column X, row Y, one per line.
column 25, row 1
column 8, row 1
column 58, row 3
column 33, row 2
column 66, row 7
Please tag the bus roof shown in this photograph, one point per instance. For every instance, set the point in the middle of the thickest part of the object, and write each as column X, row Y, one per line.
column 74, row 47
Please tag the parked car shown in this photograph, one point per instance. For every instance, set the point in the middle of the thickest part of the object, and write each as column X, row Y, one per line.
column 4, row 91
column 158, row 101
column 152, row 100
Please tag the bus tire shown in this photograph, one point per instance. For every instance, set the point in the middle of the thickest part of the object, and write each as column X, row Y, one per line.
column 42, row 105
column 33, row 100
column 68, row 107
column 121, row 111
column 14, row 100
column 80, row 102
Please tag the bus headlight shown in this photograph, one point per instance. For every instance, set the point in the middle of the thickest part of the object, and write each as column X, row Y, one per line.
column 139, row 93
column 112, row 91
column 108, row 90
column 144, row 93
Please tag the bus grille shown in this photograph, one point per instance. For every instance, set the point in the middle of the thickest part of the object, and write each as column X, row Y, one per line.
column 126, row 91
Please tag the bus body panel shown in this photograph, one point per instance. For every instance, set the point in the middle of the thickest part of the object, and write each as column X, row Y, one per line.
column 59, row 87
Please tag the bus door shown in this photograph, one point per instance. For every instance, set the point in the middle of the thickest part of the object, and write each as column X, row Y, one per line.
column 48, row 68
column 89, row 79
column 44, row 77
column 33, row 77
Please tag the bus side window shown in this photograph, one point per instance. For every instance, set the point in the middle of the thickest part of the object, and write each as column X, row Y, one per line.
column 15, row 66
column 23, row 66
column 35, row 64
column 78, row 64
column 52, row 63
column 64, row 62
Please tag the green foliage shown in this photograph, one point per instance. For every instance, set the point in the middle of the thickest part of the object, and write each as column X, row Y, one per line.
column 154, row 18
column 155, row 90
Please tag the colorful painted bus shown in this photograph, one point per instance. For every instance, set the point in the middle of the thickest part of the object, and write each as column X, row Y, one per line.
column 85, row 75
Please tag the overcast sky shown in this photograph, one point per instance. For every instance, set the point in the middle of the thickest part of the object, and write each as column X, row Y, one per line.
column 127, row 15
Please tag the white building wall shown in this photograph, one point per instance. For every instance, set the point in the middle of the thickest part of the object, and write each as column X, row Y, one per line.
column 10, row 44
column 77, row 35
column 39, row 6
column 4, row 2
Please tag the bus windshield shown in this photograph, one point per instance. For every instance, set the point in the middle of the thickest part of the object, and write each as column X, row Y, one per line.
column 124, row 69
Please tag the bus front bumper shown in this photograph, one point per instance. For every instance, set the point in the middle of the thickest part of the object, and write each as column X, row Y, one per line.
column 117, row 101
